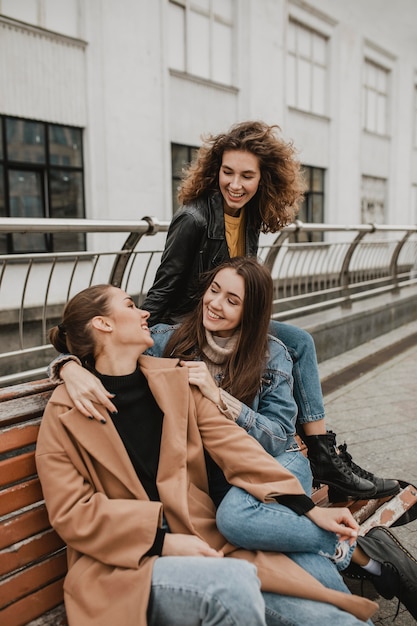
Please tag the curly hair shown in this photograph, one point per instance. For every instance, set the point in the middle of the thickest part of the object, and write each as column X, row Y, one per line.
column 281, row 187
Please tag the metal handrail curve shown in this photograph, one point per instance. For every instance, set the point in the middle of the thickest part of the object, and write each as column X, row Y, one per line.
column 348, row 262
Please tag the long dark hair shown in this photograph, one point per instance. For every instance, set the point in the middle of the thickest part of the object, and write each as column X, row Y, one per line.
column 281, row 187
column 243, row 370
column 74, row 334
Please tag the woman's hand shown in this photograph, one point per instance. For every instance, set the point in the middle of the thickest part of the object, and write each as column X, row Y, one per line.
column 199, row 375
column 336, row 520
column 84, row 388
column 176, row 544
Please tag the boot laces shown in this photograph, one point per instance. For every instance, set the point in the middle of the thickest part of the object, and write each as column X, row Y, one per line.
column 340, row 462
column 356, row 469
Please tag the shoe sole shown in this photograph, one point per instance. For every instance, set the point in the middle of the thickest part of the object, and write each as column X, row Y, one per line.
column 387, row 492
column 337, row 494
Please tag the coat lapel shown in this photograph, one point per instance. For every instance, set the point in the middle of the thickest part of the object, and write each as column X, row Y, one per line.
column 102, row 442
column 170, row 387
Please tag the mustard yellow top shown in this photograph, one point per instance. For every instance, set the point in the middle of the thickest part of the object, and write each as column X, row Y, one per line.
column 235, row 234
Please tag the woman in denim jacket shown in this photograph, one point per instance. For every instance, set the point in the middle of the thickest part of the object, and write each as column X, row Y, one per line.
column 227, row 359
column 247, row 374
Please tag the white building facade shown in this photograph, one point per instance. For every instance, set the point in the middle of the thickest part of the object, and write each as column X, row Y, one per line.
column 102, row 101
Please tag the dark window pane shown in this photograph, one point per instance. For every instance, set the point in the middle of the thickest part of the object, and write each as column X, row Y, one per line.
column 2, row 198
column 3, row 236
column 25, row 190
column 302, row 214
column 317, row 207
column 25, row 141
column 317, row 179
column 30, row 152
column 312, row 209
column 26, row 200
column 67, row 202
column 179, row 159
column 65, row 146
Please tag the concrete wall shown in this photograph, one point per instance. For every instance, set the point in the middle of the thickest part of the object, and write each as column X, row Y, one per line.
column 103, row 65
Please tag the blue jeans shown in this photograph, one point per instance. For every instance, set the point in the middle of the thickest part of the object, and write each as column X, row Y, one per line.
column 249, row 523
column 189, row 591
column 202, row 591
column 307, row 387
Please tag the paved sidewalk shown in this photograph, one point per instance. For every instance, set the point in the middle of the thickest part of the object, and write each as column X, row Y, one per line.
column 376, row 415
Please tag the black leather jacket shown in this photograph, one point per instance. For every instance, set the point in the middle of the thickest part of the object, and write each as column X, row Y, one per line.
column 196, row 243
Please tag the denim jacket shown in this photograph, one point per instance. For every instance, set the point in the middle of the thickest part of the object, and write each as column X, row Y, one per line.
column 272, row 416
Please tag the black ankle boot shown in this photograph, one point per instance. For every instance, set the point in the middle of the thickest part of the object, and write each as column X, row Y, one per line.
column 399, row 568
column 384, row 486
column 328, row 468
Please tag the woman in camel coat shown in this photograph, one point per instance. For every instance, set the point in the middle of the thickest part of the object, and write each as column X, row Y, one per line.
column 118, row 532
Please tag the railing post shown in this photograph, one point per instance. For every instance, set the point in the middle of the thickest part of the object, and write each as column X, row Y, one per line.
column 394, row 261
column 276, row 246
column 344, row 272
column 121, row 261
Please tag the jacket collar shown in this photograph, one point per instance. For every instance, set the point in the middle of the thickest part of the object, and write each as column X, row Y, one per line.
column 215, row 229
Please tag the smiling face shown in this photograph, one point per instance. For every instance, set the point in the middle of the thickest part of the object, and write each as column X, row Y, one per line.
column 129, row 324
column 223, row 303
column 239, row 177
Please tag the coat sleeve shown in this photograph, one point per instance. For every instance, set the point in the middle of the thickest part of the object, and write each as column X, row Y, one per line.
column 117, row 531
column 178, row 259
column 243, row 460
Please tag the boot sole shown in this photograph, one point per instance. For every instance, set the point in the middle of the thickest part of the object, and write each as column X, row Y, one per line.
column 387, row 492
column 337, row 494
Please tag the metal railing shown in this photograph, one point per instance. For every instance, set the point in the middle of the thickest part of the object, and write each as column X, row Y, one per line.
column 351, row 262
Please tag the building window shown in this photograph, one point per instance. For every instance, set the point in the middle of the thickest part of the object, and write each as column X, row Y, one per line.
column 373, row 194
column 180, row 157
column 200, row 38
column 375, row 98
column 41, row 175
column 312, row 208
column 307, row 69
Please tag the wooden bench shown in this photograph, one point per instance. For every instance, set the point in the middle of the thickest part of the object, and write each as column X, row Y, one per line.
column 32, row 556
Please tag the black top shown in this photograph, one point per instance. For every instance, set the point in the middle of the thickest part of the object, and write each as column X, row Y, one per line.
column 139, row 424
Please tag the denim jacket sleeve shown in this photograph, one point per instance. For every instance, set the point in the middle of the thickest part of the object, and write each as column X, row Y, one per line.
column 160, row 334
column 271, row 420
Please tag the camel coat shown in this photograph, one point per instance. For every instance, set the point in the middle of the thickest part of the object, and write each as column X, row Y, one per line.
column 100, row 509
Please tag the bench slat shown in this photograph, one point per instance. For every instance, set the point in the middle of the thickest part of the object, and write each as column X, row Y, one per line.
column 29, row 388
column 25, row 552
column 19, row 496
column 12, row 411
column 17, row 468
column 23, row 525
column 32, row 578
column 16, row 437
column 22, row 612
